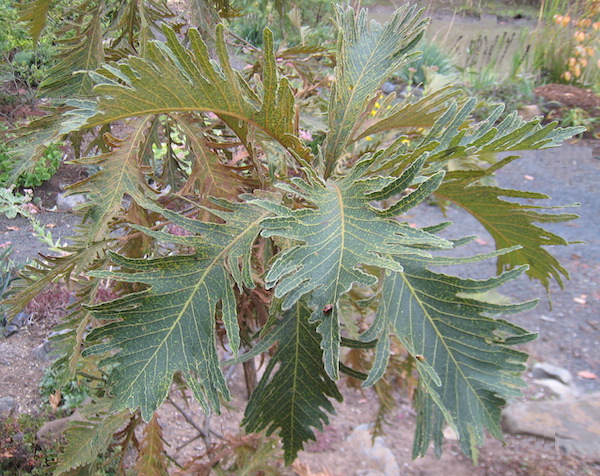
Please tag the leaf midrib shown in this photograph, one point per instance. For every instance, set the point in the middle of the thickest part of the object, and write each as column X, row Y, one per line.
column 441, row 339
column 195, row 288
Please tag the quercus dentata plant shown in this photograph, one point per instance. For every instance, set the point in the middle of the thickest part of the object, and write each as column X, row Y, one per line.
column 271, row 223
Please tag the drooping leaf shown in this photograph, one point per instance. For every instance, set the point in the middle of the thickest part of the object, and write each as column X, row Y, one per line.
column 121, row 173
column 170, row 327
column 88, row 439
column 151, row 459
column 467, row 367
column 212, row 177
column 366, row 56
column 82, row 51
column 338, row 235
column 36, row 14
column 31, row 141
column 293, row 394
column 422, row 113
column 511, row 223
column 172, row 78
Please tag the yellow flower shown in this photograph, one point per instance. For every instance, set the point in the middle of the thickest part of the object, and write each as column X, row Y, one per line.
column 368, row 138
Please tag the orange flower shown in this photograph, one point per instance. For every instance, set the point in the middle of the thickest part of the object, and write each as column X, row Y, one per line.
column 580, row 36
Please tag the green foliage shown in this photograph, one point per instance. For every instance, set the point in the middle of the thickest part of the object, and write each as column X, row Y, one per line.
column 244, row 237
column 43, row 170
column 433, row 60
column 72, row 394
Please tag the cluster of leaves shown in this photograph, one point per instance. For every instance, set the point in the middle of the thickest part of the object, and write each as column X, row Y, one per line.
column 257, row 238
column 43, row 170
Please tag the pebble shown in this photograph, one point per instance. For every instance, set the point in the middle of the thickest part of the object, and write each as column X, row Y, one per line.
column 43, row 352
column 67, row 203
column 16, row 323
column 544, row 370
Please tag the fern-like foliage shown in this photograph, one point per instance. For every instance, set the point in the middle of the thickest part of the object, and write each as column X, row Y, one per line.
column 340, row 234
column 293, row 395
column 170, row 326
column 237, row 209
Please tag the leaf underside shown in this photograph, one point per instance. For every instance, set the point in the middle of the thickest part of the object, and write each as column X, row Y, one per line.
column 339, row 235
column 170, row 327
column 466, row 365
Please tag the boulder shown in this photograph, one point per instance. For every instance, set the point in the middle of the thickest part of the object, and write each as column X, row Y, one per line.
column 574, row 424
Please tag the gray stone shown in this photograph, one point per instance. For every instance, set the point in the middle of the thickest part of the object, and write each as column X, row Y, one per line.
column 543, row 370
column 388, row 88
column 556, row 388
column 573, row 424
column 7, row 406
column 43, row 352
column 67, row 203
column 14, row 325
column 377, row 457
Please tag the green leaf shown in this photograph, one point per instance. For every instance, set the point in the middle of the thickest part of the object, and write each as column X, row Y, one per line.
column 293, row 394
column 366, row 56
column 121, row 173
column 466, row 364
column 36, row 14
column 170, row 326
column 88, row 439
column 422, row 113
column 31, row 141
column 342, row 232
column 511, row 223
column 172, row 78
column 82, row 51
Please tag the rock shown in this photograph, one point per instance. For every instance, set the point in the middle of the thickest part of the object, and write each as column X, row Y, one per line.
column 67, row 203
column 529, row 112
column 377, row 457
column 450, row 434
column 7, row 406
column 574, row 424
column 16, row 323
column 556, row 388
column 43, row 352
column 388, row 88
column 543, row 370
column 51, row 432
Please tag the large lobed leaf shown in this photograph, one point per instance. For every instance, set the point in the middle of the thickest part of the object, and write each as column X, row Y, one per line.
column 171, row 78
column 293, row 394
column 466, row 365
column 366, row 56
column 511, row 223
column 342, row 232
column 170, row 327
